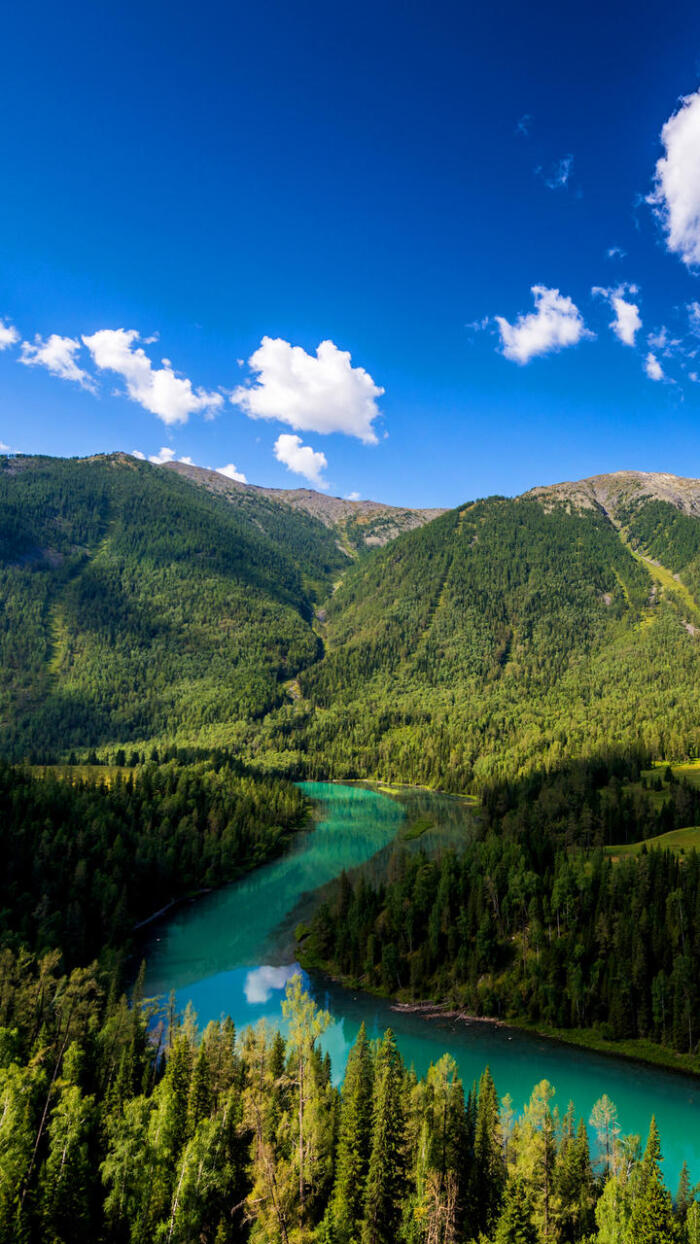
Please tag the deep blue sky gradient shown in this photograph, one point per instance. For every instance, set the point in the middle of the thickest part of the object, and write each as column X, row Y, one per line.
column 215, row 173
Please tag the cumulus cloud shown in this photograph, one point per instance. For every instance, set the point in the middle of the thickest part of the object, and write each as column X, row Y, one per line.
column 260, row 983
column 4, row 449
column 555, row 323
column 321, row 393
column 164, row 455
column 57, row 355
column 615, row 252
column 693, row 309
column 231, row 472
column 353, row 496
column 652, row 367
column 676, row 194
column 8, row 335
column 627, row 321
column 158, row 389
column 301, row 459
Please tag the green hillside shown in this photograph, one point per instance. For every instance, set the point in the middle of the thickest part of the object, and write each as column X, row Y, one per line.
column 502, row 636
column 136, row 605
column 146, row 606
column 677, row 840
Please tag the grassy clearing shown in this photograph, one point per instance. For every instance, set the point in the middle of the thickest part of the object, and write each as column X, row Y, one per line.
column 416, row 829
column 102, row 775
column 687, row 772
column 637, row 1048
column 667, row 580
column 677, row 840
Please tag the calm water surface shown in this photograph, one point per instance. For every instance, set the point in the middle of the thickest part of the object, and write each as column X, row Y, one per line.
column 231, row 953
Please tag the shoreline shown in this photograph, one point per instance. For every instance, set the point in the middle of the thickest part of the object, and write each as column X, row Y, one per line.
column 583, row 1039
column 630, row 1050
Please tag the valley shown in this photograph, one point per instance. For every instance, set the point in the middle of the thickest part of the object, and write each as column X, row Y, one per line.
column 444, row 757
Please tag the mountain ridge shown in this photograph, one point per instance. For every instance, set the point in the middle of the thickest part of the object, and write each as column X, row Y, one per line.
column 137, row 605
column 375, row 523
column 613, row 490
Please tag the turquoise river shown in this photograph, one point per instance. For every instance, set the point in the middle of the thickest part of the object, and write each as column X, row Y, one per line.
column 232, row 952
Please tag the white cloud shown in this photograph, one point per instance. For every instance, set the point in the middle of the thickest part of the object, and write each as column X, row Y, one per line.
column 353, row 496
column 663, row 343
column 323, row 394
column 555, row 323
column 676, row 193
column 523, row 125
column 558, row 178
column 260, row 983
column 652, row 367
column 615, row 252
column 694, row 317
column 4, row 449
column 8, row 335
column 158, row 389
column 301, row 459
column 231, row 472
column 57, row 355
column 627, row 320
column 164, row 455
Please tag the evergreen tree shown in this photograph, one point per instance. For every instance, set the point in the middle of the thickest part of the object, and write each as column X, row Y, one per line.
column 573, row 1182
column 516, row 1225
column 684, row 1195
column 652, row 1220
column 488, row 1165
column 353, row 1148
column 382, row 1202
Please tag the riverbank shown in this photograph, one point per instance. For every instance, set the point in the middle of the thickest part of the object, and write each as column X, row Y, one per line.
column 271, row 851
column 636, row 1050
column 631, row 1050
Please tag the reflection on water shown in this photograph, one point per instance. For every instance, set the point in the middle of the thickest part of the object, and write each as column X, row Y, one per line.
column 261, row 983
column 231, row 953
column 249, row 923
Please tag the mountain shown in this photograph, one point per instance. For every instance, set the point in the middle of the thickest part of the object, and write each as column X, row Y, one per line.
column 615, row 493
column 136, row 605
column 144, row 604
column 509, row 634
column 359, row 524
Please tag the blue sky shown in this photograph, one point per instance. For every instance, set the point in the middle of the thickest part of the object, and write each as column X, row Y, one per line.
column 227, row 183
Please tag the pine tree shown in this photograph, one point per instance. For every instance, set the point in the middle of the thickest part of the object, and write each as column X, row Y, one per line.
column 536, row 1153
column 65, row 1179
column 684, row 1195
column 382, row 1207
column 353, row 1149
column 692, row 1224
column 516, row 1226
column 652, row 1219
column 573, row 1182
column 488, row 1167
column 200, row 1096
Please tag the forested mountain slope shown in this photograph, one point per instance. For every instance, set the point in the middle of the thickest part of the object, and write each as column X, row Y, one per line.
column 360, row 525
column 141, row 604
column 509, row 634
column 136, row 605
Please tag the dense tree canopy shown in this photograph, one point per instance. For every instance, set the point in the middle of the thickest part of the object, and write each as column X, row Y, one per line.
column 533, row 921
